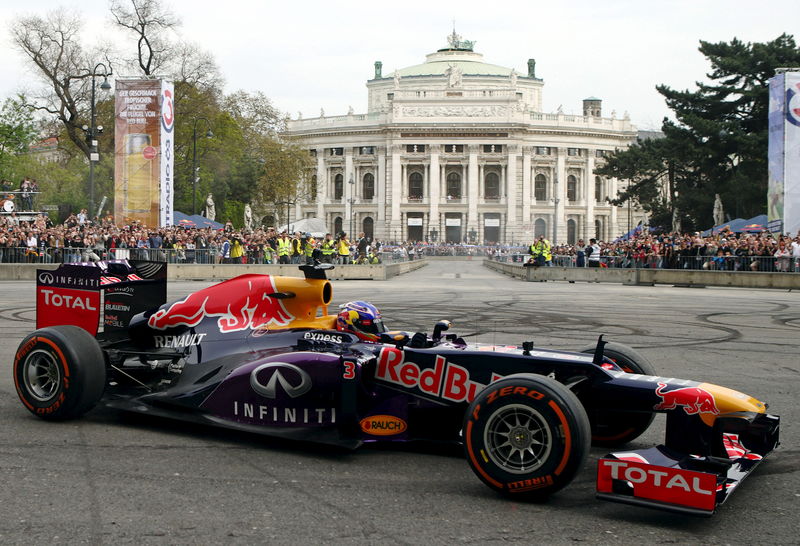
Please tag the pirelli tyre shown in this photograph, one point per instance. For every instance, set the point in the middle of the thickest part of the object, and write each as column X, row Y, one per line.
column 611, row 428
column 59, row 372
column 526, row 436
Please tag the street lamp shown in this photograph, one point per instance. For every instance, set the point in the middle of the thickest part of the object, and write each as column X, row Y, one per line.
column 195, row 174
column 351, row 200
column 288, row 204
column 92, row 131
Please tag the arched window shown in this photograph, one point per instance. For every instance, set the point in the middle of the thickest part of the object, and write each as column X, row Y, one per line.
column 313, row 188
column 598, row 189
column 415, row 185
column 368, row 190
column 454, row 186
column 539, row 228
column 338, row 186
column 572, row 230
column 368, row 227
column 598, row 230
column 491, row 188
column 540, row 188
column 337, row 225
column 572, row 188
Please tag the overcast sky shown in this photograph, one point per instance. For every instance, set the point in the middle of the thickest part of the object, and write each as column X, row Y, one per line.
column 318, row 54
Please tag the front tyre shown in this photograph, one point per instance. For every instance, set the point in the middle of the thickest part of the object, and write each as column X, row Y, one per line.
column 616, row 428
column 59, row 372
column 526, row 436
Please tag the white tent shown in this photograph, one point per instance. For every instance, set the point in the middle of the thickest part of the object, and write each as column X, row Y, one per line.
column 315, row 226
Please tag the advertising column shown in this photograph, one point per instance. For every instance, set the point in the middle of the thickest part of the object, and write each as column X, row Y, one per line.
column 140, row 185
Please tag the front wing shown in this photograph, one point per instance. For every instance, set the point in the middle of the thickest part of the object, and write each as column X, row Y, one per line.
column 688, row 483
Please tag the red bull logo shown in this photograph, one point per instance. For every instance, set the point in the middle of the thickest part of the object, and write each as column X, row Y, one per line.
column 693, row 400
column 240, row 303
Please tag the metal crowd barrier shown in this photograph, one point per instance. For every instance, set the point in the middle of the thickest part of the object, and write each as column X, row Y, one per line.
column 395, row 255
column 170, row 255
column 708, row 263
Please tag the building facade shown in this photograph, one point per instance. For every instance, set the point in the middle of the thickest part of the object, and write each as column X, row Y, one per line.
column 458, row 150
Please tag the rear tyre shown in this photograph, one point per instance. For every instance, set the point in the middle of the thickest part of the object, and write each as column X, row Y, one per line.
column 526, row 436
column 615, row 428
column 59, row 372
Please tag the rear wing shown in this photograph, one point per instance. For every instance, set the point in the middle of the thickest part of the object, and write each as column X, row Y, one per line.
column 82, row 294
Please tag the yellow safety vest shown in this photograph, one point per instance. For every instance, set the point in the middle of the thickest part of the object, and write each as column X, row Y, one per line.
column 543, row 248
column 344, row 247
column 327, row 247
column 309, row 247
column 283, row 247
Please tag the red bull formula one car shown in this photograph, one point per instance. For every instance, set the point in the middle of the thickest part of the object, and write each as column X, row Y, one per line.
column 263, row 354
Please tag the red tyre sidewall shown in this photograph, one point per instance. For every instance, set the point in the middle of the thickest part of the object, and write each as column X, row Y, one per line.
column 559, row 467
column 57, row 403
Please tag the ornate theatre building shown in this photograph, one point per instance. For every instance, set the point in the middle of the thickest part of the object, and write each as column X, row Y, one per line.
column 456, row 149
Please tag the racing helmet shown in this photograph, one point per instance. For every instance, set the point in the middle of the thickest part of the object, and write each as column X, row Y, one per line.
column 360, row 318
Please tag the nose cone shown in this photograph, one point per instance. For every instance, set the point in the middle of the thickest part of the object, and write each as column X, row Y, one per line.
column 729, row 401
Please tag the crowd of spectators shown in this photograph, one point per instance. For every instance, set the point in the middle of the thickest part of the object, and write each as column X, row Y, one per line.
column 79, row 239
column 726, row 251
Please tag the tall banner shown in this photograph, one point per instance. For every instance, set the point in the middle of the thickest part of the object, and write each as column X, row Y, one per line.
column 144, row 142
column 783, row 200
column 166, row 216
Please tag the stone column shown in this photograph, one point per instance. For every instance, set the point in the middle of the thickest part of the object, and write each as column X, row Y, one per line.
column 380, row 227
column 560, row 194
column 425, row 179
column 512, row 229
column 613, row 229
column 322, row 184
column 348, row 191
column 397, row 173
column 526, row 187
column 472, row 215
column 434, row 195
column 588, row 229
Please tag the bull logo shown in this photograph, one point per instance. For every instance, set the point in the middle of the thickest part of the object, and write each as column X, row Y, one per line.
column 269, row 390
column 694, row 400
column 240, row 304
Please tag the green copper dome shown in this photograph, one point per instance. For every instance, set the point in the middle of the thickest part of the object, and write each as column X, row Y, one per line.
column 468, row 62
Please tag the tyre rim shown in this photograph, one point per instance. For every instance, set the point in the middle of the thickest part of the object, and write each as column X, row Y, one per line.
column 42, row 375
column 517, row 439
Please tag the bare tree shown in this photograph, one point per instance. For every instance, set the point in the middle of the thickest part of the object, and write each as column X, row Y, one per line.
column 150, row 22
column 51, row 42
column 159, row 50
column 197, row 67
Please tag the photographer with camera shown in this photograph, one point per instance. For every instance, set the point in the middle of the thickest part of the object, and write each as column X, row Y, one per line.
column 343, row 248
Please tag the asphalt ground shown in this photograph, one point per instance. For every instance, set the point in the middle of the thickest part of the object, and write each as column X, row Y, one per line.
column 116, row 478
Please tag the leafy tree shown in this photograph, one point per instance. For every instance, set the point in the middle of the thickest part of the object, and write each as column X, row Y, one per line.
column 245, row 161
column 718, row 143
column 17, row 132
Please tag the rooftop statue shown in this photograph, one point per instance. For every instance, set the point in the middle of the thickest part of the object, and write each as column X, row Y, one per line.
column 455, row 42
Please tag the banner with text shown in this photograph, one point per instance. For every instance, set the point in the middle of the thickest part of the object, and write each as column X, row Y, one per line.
column 783, row 199
column 143, row 152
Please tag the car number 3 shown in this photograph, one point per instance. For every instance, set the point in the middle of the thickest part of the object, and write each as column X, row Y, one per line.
column 349, row 370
